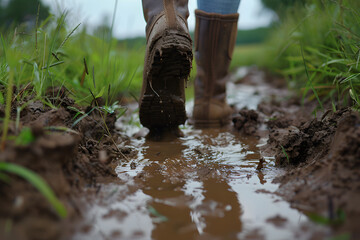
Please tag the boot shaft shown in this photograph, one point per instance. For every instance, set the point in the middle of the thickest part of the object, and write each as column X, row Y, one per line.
column 167, row 64
column 215, row 37
column 175, row 12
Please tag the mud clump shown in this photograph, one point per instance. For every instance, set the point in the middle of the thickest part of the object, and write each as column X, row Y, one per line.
column 31, row 215
column 246, row 121
column 295, row 144
column 68, row 156
column 322, row 160
column 326, row 176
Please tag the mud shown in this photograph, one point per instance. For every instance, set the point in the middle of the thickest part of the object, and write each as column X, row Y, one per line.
column 326, row 178
column 277, row 173
column 66, row 156
column 247, row 121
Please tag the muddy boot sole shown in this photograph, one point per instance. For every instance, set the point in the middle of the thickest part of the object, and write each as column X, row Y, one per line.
column 163, row 103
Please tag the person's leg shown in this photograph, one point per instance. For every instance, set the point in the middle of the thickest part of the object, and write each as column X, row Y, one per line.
column 215, row 36
column 167, row 64
column 219, row 6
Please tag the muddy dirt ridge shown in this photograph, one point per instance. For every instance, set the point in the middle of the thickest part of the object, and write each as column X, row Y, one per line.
column 325, row 177
column 69, row 161
column 318, row 158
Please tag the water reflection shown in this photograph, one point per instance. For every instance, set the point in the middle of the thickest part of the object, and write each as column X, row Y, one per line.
column 187, row 182
column 202, row 186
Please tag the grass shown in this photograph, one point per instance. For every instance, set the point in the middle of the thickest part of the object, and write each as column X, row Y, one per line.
column 317, row 49
column 58, row 56
column 53, row 55
column 247, row 55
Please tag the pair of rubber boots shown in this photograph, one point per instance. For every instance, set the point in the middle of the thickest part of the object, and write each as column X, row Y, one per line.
column 168, row 62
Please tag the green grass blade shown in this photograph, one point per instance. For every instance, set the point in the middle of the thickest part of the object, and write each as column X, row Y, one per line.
column 7, row 109
column 68, row 36
column 285, row 153
column 308, row 77
column 4, row 48
column 82, row 117
column 38, row 182
column 53, row 65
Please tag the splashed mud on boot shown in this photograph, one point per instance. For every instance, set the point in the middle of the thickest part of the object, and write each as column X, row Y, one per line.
column 163, row 103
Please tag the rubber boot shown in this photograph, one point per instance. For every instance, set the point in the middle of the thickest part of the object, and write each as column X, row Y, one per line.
column 167, row 64
column 215, row 36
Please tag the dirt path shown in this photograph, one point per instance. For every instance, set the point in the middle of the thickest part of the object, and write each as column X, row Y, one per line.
column 209, row 184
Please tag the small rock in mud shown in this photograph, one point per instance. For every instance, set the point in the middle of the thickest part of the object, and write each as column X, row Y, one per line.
column 133, row 165
column 278, row 221
column 104, row 157
column 246, row 121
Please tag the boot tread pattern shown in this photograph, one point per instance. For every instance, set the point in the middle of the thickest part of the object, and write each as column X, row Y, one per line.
column 162, row 104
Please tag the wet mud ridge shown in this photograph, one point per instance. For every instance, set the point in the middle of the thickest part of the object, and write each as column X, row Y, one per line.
column 70, row 157
column 277, row 172
column 325, row 178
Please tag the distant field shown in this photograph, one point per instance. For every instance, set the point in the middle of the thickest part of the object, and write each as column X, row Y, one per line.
column 247, row 55
column 244, row 37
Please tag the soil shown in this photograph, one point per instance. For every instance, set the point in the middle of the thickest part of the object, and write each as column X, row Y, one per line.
column 321, row 155
column 318, row 159
column 70, row 158
column 324, row 176
column 246, row 121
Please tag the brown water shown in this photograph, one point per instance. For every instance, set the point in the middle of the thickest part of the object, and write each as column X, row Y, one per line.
column 201, row 186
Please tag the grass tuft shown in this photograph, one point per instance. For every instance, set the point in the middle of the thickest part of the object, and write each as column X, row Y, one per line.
column 317, row 49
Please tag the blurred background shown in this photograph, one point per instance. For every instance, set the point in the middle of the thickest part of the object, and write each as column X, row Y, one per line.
column 129, row 21
column 313, row 44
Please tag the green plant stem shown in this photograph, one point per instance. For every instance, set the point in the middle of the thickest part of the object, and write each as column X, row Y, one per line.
column 7, row 109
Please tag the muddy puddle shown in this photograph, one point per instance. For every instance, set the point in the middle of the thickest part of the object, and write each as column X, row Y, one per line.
column 205, row 185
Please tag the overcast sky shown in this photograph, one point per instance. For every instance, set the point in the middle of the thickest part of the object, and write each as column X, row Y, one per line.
column 129, row 21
